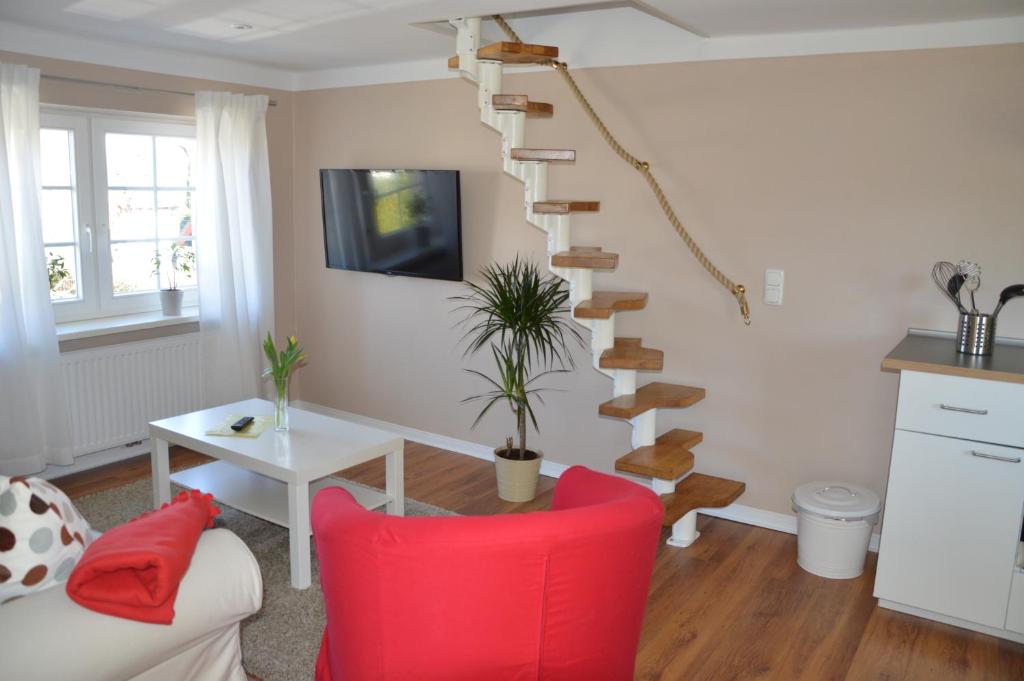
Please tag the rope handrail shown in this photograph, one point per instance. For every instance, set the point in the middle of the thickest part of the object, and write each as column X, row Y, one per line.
column 644, row 168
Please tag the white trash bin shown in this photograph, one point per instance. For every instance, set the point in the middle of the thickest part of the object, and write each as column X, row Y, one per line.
column 834, row 524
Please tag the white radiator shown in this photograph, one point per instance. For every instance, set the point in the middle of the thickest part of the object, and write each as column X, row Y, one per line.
column 115, row 391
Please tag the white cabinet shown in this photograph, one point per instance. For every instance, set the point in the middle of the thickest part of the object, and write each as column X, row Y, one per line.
column 951, row 528
column 954, row 503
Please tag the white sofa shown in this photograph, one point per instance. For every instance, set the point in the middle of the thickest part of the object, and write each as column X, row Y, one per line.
column 48, row 637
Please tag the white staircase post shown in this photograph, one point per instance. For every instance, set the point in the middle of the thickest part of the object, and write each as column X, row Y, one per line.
column 535, row 179
column 684, row 531
column 513, row 135
column 602, row 336
column 488, row 86
column 643, row 427
column 467, row 41
column 558, row 233
column 625, row 382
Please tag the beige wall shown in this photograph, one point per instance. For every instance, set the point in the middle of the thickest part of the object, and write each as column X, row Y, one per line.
column 853, row 173
column 279, row 135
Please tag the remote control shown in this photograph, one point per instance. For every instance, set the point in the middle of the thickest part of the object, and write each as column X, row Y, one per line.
column 242, row 423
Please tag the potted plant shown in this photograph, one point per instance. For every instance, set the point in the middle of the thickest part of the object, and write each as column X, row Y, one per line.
column 521, row 316
column 58, row 273
column 282, row 364
column 183, row 260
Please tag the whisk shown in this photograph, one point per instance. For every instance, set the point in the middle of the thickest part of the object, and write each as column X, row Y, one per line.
column 943, row 273
column 971, row 272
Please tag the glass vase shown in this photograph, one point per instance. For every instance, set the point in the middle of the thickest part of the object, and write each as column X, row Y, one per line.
column 281, row 406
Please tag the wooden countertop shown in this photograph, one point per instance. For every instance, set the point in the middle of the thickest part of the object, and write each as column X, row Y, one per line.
column 937, row 354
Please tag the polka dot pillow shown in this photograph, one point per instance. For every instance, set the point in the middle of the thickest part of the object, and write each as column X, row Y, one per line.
column 42, row 536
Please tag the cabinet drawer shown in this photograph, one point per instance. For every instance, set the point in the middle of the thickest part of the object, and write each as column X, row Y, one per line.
column 951, row 527
column 972, row 409
column 1015, row 612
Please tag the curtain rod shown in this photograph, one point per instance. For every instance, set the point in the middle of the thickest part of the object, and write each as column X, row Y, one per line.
column 120, row 86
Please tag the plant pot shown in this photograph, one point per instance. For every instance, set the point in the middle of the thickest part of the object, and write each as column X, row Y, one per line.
column 517, row 480
column 170, row 302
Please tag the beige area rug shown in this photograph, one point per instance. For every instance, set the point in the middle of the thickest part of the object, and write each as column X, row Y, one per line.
column 280, row 642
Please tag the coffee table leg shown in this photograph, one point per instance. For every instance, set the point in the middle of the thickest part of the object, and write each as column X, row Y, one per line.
column 298, row 535
column 160, row 464
column 394, row 485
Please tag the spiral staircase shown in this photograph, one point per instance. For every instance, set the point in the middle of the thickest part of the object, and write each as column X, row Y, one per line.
column 666, row 459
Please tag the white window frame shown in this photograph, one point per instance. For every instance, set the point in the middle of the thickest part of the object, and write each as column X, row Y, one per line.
column 96, row 295
column 85, row 306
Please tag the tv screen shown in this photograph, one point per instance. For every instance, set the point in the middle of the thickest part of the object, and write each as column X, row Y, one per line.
column 393, row 222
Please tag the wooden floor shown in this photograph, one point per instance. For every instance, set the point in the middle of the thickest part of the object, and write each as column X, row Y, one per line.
column 733, row 606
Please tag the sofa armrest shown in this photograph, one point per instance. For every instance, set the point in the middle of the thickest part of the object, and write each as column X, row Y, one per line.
column 49, row 636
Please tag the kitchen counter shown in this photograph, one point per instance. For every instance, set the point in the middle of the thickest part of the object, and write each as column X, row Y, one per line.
column 933, row 353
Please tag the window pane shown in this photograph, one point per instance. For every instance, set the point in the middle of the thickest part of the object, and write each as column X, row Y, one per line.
column 58, row 215
column 132, row 267
column 174, row 214
column 175, row 157
column 62, row 267
column 129, row 160
column 131, row 214
column 175, row 258
column 55, row 145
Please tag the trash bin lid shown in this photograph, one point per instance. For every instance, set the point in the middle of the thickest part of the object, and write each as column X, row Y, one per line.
column 837, row 500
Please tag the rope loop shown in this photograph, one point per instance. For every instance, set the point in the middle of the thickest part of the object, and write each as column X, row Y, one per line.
column 644, row 168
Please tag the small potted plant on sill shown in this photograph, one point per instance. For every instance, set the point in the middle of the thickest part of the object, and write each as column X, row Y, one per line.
column 183, row 260
column 58, row 273
column 521, row 316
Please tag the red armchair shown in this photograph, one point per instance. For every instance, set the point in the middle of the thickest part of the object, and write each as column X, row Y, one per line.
column 555, row 595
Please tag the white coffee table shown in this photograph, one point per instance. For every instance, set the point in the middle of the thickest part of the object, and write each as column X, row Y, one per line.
column 274, row 475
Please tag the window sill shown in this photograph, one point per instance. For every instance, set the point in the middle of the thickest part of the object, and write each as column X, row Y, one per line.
column 105, row 326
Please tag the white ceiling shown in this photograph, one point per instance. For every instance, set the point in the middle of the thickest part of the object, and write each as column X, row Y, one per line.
column 751, row 17
column 312, row 35
column 309, row 44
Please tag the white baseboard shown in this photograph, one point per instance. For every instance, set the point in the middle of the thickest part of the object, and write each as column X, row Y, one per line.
column 96, row 459
column 478, row 451
column 780, row 522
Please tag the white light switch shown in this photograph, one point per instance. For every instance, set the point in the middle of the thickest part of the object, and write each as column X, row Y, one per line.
column 773, row 285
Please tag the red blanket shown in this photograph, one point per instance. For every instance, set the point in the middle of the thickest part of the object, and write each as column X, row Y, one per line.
column 133, row 571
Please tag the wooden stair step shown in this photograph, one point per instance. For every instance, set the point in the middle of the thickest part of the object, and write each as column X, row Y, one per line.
column 512, row 53
column 521, row 154
column 555, row 207
column 627, row 353
column 699, row 491
column 603, row 304
column 522, row 103
column 589, row 257
column 667, row 459
column 652, row 396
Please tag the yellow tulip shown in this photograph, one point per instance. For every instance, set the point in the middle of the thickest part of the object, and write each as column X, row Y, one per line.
column 293, row 340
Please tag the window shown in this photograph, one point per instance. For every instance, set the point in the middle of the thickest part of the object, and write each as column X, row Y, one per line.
column 117, row 208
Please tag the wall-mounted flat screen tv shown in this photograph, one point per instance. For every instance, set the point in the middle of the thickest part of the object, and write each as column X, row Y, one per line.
column 404, row 222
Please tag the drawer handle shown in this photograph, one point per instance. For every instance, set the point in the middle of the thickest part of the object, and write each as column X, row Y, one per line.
column 995, row 457
column 964, row 410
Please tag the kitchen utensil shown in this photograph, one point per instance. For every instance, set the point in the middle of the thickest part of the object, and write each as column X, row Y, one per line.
column 942, row 273
column 1008, row 294
column 956, row 282
column 976, row 334
column 972, row 275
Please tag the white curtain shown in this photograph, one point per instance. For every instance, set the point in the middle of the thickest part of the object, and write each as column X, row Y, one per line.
column 234, row 242
column 34, row 418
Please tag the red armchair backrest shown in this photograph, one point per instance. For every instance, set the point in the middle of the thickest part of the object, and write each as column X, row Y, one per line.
column 553, row 595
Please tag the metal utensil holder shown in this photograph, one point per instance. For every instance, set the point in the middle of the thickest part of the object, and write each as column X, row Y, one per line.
column 976, row 334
